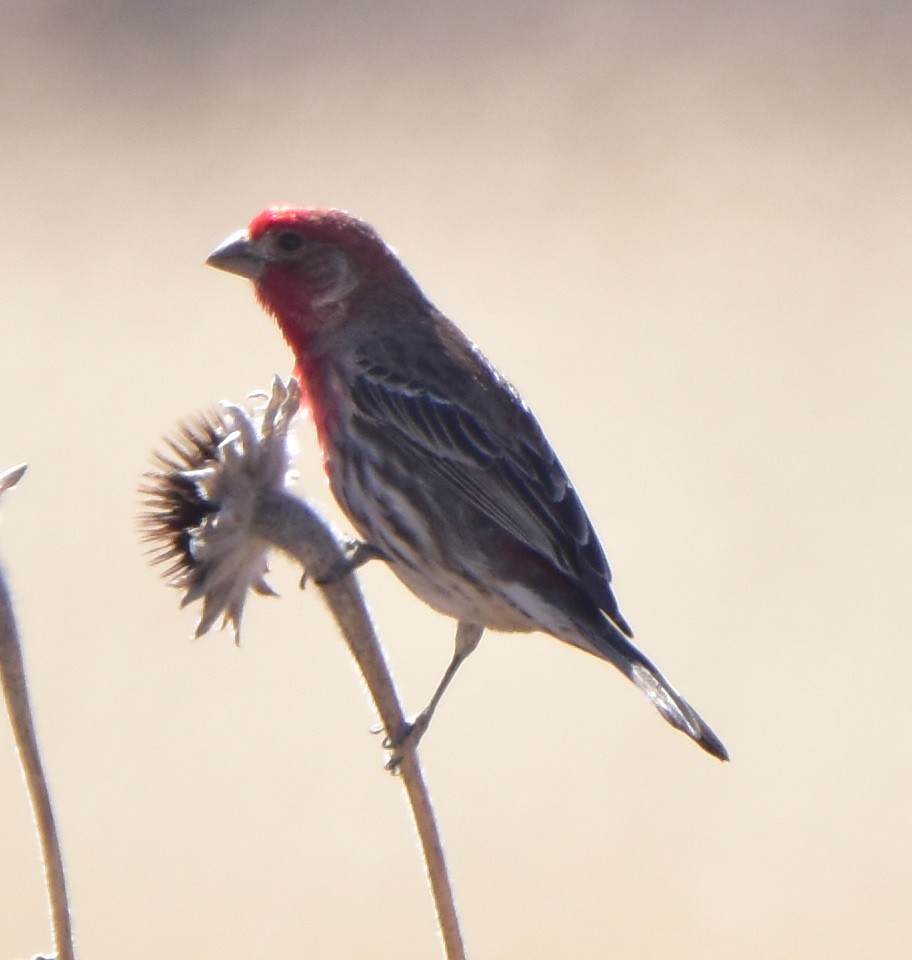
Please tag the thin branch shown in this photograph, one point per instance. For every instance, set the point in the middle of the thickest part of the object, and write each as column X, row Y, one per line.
column 292, row 526
column 15, row 691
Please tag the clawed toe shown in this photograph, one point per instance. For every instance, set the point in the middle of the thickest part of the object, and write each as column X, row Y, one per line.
column 358, row 554
column 406, row 741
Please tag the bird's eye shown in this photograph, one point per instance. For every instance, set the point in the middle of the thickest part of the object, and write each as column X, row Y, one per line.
column 288, row 241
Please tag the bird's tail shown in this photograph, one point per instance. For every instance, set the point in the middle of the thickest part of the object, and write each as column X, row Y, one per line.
column 614, row 646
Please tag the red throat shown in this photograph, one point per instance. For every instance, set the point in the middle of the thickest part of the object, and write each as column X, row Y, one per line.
column 298, row 334
column 294, row 322
column 306, row 375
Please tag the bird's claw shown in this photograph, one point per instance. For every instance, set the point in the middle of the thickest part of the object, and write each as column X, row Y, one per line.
column 358, row 553
column 406, row 741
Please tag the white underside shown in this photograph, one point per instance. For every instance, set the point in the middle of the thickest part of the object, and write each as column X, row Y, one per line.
column 514, row 608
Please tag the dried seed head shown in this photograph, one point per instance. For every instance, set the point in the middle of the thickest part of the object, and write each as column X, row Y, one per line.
column 201, row 502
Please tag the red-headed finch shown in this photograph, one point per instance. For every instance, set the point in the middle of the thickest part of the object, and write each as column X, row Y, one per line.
column 432, row 454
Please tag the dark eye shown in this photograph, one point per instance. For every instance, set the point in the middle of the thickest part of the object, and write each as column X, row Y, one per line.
column 288, row 241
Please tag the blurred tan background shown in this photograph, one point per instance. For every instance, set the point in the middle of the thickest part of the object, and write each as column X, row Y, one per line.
column 683, row 230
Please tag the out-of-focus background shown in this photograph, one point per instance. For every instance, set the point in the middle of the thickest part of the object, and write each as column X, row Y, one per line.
column 683, row 230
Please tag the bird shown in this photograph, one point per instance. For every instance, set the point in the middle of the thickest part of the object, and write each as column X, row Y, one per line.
column 433, row 455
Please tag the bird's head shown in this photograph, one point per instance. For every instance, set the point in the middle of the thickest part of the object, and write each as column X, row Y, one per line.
column 305, row 261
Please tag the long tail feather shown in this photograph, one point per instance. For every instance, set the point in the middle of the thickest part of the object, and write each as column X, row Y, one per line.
column 673, row 707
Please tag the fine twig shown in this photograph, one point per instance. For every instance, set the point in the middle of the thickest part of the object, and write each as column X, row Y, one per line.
column 15, row 691
column 292, row 526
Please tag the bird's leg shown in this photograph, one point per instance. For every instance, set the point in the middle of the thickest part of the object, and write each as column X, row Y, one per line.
column 358, row 553
column 467, row 637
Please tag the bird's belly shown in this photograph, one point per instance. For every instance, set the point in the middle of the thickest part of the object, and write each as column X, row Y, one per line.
column 433, row 547
column 458, row 595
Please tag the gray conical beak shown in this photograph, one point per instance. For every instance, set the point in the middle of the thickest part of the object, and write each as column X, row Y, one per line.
column 237, row 254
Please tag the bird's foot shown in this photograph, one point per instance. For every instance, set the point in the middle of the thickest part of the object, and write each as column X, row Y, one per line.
column 358, row 552
column 406, row 740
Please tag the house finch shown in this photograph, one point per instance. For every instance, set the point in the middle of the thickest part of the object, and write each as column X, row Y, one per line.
column 432, row 454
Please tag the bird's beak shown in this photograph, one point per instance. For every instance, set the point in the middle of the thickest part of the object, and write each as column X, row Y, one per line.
column 237, row 254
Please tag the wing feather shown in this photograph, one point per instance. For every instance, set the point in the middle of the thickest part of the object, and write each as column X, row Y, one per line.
column 510, row 472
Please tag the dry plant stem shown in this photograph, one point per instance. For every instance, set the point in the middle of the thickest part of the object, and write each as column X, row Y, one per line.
column 292, row 526
column 15, row 690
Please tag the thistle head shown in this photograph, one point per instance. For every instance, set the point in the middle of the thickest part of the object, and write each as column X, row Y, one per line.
column 201, row 500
